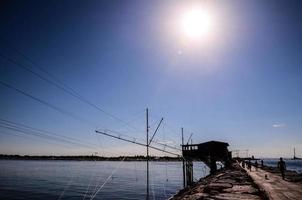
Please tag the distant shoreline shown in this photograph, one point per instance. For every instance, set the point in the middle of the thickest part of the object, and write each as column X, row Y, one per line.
column 88, row 158
column 96, row 158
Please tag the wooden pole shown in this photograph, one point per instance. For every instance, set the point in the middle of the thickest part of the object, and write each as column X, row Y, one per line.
column 147, row 142
column 183, row 160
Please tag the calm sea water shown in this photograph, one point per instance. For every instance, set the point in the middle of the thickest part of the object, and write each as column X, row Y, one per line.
column 81, row 179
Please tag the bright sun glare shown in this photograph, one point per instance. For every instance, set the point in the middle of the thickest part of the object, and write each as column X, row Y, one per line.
column 196, row 23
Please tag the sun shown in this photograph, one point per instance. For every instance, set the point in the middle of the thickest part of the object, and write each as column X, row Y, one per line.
column 196, row 23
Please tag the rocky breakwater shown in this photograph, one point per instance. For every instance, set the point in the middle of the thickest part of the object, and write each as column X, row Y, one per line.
column 231, row 183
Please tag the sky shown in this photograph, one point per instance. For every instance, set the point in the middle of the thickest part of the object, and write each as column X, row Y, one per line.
column 240, row 82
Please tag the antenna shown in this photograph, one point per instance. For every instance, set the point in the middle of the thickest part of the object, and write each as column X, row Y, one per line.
column 189, row 138
column 147, row 144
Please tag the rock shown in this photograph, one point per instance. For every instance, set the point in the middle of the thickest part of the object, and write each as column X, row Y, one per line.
column 245, row 189
column 217, row 186
column 228, row 196
column 229, row 184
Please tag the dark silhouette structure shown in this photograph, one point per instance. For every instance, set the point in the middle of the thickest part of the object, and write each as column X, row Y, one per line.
column 209, row 153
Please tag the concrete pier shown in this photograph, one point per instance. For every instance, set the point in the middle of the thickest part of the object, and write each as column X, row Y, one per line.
column 231, row 183
column 240, row 183
column 275, row 187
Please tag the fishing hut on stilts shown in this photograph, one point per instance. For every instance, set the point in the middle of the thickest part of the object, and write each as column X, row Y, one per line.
column 208, row 152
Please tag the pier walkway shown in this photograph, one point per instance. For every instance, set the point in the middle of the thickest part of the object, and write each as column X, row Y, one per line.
column 275, row 187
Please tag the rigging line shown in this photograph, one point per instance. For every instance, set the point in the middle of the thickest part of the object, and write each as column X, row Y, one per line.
column 35, row 73
column 108, row 178
column 135, row 170
column 23, row 135
column 90, row 181
column 15, row 128
column 101, row 149
column 142, row 140
column 173, row 134
column 97, row 184
column 152, row 186
column 165, row 145
column 43, row 70
column 164, row 137
column 43, row 135
column 69, row 90
column 134, row 142
column 169, row 128
column 122, row 134
column 28, row 137
column 40, row 135
column 45, row 103
column 149, row 142
column 165, row 193
column 46, row 132
column 137, row 117
column 67, row 186
column 98, row 180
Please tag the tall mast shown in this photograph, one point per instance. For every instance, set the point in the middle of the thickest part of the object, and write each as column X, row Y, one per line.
column 183, row 160
column 147, row 145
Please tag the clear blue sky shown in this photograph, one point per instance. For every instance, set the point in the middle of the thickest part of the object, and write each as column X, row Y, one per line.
column 241, row 84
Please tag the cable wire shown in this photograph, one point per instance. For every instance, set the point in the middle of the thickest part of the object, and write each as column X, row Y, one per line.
column 64, row 87
column 45, row 103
